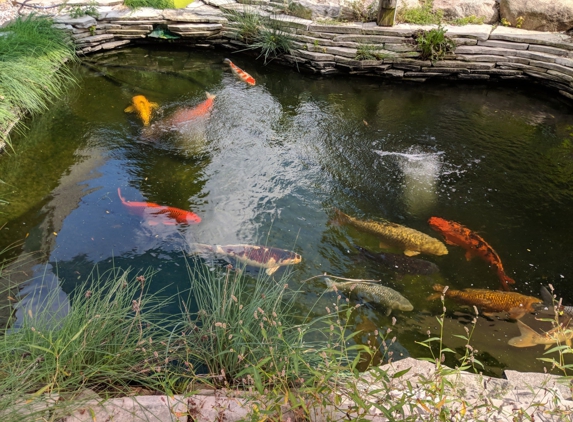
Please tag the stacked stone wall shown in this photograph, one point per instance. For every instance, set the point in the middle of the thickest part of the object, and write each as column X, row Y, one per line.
column 483, row 52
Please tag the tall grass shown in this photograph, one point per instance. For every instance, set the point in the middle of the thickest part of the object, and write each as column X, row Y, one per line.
column 32, row 68
column 109, row 340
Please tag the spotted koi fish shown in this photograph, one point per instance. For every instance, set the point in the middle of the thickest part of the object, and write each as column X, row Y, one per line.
column 143, row 108
column 490, row 301
column 456, row 234
column 244, row 76
column 160, row 213
column 257, row 256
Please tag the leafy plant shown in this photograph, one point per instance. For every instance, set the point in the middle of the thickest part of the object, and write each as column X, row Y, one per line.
column 422, row 15
column 519, row 21
column 90, row 10
column 156, row 4
column 369, row 52
column 434, row 44
column 505, row 22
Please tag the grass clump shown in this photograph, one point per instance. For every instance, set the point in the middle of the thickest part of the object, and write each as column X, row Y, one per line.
column 434, row 44
column 468, row 20
column 273, row 41
column 422, row 15
column 156, row 4
column 32, row 68
column 109, row 341
column 248, row 23
column 369, row 52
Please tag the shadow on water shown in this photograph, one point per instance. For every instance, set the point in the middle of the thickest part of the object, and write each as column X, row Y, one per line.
column 269, row 164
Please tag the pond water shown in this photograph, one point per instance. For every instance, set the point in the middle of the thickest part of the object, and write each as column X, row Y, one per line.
column 273, row 162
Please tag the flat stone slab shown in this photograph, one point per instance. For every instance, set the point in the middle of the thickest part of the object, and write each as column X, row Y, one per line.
column 184, row 15
column 479, row 32
column 292, row 21
column 336, row 29
column 400, row 30
column 551, row 39
column 81, row 22
column 195, row 27
column 369, row 39
column 143, row 13
column 319, row 57
column 504, row 44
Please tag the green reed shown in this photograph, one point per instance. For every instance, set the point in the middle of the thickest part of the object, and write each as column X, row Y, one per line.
column 156, row 4
column 110, row 340
column 33, row 69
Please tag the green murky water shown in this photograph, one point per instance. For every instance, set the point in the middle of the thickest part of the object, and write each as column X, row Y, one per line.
column 273, row 161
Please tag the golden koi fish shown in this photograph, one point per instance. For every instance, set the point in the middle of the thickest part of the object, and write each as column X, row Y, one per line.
column 143, row 108
column 410, row 240
column 491, row 301
column 256, row 256
column 529, row 337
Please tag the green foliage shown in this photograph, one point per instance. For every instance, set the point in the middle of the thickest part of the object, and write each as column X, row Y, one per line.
column 468, row 20
column 364, row 10
column 249, row 23
column 156, row 4
column 296, row 9
column 369, row 52
column 32, row 68
column 273, row 41
column 422, row 15
column 434, row 43
column 79, row 11
column 106, row 342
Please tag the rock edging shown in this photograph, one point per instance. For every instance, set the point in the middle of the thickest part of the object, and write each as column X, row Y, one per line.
column 483, row 52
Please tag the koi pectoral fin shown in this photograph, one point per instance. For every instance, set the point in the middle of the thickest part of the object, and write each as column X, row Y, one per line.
column 408, row 252
column 129, row 109
column 272, row 270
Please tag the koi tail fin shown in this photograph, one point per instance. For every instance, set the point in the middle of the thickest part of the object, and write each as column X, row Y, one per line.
column 210, row 96
column 154, row 106
column 123, row 201
column 529, row 337
column 548, row 299
column 339, row 217
column 505, row 280
column 227, row 61
column 437, row 288
column 329, row 282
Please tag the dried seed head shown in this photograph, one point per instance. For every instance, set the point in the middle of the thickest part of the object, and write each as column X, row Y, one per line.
column 88, row 294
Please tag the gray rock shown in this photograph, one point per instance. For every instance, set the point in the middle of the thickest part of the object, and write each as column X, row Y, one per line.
column 456, row 9
column 539, row 15
column 472, row 76
column 337, row 29
column 504, row 44
column 549, row 50
column 198, row 27
column 484, row 50
column 484, row 58
column 465, row 41
column 143, row 13
column 532, row 37
column 341, row 51
column 400, row 30
column 479, row 32
column 81, row 22
column 319, row 57
column 182, row 15
column 371, row 39
column 463, row 65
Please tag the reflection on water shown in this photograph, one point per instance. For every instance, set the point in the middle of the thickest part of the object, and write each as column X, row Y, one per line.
column 269, row 164
column 42, row 295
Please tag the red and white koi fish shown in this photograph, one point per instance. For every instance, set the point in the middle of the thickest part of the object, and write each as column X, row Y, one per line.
column 184, row 115
column 245, row 77
column 254, row 255
column 168, row 216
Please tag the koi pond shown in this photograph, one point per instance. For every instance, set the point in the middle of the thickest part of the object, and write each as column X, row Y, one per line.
column 279, row 163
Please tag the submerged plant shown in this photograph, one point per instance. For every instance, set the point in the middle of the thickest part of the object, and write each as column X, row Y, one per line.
column 434, row 43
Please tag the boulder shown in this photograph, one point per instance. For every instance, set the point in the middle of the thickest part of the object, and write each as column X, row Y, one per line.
column 488, row 10
column 343, row 9
column 539, row 15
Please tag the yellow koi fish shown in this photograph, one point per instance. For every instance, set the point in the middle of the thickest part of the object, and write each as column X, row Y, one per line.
column 143, row 108
column 529, row 337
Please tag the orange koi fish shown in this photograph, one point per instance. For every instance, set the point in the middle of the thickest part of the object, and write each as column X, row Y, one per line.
column 491, row 300
column 186, row 114
column 245, row 77
column 152, row 210
column 143, row 108
column 456, row 234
